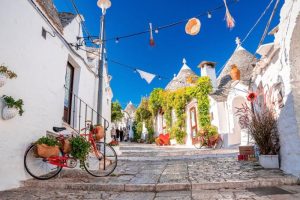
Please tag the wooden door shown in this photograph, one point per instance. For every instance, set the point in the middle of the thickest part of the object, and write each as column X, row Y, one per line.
column 68, row 94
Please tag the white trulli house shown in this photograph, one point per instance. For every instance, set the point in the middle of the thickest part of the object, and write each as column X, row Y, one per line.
column 276, row 79
column 57, row 82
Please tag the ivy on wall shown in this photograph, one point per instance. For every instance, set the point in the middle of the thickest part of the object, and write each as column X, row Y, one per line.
column 166, row 101
column 143, row 115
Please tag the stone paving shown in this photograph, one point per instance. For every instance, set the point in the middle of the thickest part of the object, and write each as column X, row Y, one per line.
column 207, row 173
column 150, row 172
column 236, row 194
column 136, row 152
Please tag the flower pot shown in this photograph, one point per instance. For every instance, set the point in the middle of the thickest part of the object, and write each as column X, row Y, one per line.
column 269, row 161
column 3, row 79
column 46, row 151
column 99, row 133
column 9, row 113
column 213, row 139
column 235, row 73
column 67, row 146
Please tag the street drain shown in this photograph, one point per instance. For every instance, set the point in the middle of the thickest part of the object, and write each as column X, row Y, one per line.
column 264, row 191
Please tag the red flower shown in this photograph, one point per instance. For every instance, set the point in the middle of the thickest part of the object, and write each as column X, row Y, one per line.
column 251, row 96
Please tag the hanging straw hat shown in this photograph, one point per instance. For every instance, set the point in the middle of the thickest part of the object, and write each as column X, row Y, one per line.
column 193, row 26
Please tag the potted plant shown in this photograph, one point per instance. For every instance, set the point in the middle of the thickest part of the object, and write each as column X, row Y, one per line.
column 263, row 129
column 12, row 107
column 5, row 74
column 47, row 147
column 98, row 131
column 80, row 148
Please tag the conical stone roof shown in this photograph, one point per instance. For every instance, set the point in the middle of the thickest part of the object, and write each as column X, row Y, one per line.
column 243, row 59
column 130, row 108
column 180, row 80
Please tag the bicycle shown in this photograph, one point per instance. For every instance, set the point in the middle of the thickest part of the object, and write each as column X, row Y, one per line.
column 101, row 160
column 202, row 140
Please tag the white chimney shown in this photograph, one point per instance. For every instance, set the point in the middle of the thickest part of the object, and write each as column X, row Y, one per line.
column 208, row 69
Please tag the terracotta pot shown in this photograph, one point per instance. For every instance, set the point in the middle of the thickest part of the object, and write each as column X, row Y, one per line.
column 3, row 79
column 213, row 139
column 46, row 151
column 235, row 73
column 67, row 146
column 9, row 113
column 99, row 133
column 193, row 26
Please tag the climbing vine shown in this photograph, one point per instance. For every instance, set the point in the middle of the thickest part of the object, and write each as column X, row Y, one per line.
column 143, row 114
column 167, row 101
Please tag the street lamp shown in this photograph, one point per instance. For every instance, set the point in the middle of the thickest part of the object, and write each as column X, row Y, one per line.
column 104, row 5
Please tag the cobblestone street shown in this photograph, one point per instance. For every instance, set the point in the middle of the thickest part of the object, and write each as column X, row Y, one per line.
column 186, row 174
column 290, row 193
column 206, row 173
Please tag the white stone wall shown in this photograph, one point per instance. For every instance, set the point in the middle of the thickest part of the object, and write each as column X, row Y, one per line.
column 285, row 64
column 41, row 66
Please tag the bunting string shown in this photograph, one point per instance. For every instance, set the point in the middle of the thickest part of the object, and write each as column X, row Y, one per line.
column 162, row 27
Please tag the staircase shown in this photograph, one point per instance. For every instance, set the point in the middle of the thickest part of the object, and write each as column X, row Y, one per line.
column 81, row 115
column 151, row 152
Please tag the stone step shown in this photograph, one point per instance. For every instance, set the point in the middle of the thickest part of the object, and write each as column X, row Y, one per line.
column 174, row 158
column 175, row 175
column 159, row 187
column 180, row 153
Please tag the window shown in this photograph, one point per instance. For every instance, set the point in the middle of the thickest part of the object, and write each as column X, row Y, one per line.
column 193, row 120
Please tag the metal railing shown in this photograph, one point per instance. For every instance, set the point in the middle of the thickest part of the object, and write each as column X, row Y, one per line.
column 80, row 114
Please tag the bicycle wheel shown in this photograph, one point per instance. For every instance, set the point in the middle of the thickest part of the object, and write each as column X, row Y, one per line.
column 38, row 167
column 199, row 143
column 103, row 162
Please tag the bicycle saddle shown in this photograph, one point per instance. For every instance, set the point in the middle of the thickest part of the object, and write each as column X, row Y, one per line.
column 58, row 129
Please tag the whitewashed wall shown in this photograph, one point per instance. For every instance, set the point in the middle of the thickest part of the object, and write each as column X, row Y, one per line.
column 285, row 65
column 41, row 66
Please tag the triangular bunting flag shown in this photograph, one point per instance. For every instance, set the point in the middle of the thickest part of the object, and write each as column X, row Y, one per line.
column 145, row 75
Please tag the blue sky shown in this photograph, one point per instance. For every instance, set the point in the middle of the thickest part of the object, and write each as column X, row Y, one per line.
column 215, row 42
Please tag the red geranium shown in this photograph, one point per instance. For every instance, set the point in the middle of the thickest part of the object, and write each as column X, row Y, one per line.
column 251, row 96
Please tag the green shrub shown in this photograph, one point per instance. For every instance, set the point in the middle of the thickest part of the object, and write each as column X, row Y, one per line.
column 80, row 147
column 137, row 128
column 48, row 141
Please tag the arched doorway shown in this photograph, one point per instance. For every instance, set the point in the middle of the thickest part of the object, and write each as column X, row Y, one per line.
column 238, row 136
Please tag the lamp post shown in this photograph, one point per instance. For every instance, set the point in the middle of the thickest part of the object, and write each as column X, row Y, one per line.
column 104, row 5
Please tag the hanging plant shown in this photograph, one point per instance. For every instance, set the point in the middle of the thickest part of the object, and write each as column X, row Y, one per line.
column 12, row 107
column 5, row 74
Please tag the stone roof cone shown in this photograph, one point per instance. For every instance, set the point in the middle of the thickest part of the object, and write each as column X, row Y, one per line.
column 180, row 80
column 243, row 60
column 130, row 108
